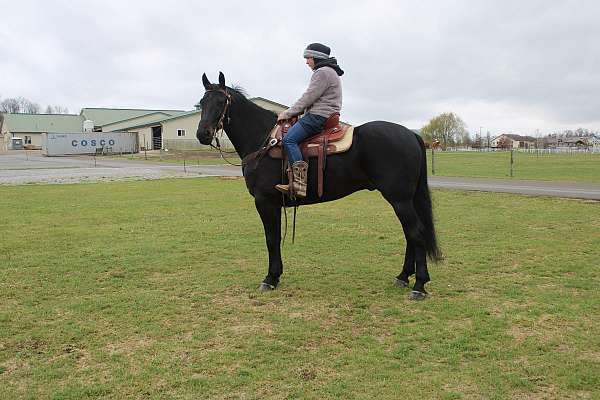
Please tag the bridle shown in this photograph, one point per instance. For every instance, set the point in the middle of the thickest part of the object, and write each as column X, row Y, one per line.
column 220, row 124
column 225, row 112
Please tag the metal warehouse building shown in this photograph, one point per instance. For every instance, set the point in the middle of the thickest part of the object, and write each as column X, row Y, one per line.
column 155, row 129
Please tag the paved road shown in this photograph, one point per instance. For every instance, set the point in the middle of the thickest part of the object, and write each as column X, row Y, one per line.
column 17, row 168
column 534, row 188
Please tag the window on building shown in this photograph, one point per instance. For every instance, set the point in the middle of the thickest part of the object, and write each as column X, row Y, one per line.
column 180, row 132
column 27, row 140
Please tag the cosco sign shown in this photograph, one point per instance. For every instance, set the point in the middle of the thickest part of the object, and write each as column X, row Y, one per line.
column 92, row 142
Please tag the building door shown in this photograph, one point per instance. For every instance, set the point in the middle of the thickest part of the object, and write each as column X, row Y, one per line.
column 156, row 137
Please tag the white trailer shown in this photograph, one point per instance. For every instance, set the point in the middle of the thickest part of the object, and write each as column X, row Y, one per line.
column 61, row 144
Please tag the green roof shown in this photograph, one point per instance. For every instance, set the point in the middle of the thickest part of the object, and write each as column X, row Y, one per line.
column 160, row 120
column 159, row 114
column 53, row 123
column 182, row 115
column 105, row 116
column 268, row 101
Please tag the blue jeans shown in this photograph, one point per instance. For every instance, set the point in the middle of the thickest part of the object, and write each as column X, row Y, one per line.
column 306, row 127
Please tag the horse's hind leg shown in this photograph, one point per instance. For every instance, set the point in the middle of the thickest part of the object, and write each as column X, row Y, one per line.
column 413, row 231
column 408, row 268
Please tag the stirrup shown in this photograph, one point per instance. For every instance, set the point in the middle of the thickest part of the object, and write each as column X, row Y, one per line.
column 285, row 189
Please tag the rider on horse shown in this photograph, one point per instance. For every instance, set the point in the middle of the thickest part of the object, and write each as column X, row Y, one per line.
column 322, row 99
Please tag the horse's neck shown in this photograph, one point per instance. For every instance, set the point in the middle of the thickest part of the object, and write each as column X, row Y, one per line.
column 249, row 126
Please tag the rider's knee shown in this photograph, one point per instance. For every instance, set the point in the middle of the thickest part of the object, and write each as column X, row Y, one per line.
column 288, row 140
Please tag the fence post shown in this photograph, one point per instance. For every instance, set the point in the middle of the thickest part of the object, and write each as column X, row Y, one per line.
column 432, row 160
column 511, row 162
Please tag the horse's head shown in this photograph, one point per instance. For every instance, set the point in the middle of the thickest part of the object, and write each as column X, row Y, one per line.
column 214, row 105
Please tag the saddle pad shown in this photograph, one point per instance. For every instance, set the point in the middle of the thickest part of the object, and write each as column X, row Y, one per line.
column 338, row 146
column 311, row 146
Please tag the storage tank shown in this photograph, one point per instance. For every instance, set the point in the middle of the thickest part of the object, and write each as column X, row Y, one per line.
column 61, row 144
column 16, row 143
column 88, row 126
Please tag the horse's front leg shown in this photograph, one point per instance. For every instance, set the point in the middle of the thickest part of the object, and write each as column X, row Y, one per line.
column 270, row 214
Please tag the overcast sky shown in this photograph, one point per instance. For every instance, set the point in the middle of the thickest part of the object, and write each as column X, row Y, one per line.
column 502, row 66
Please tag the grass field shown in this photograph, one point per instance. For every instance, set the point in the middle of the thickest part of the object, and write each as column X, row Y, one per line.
column 582, row 167
column 148, row 290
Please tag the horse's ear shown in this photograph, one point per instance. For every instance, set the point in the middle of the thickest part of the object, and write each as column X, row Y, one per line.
column 205, row 81
column 221, row 80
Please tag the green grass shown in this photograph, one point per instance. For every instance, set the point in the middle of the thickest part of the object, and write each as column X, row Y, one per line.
column 582, row 167
column 148, row 290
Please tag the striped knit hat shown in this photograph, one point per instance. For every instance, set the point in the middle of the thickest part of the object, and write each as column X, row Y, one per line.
column 317, row 51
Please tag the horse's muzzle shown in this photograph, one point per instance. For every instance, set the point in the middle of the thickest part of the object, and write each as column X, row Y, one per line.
column 205, row 135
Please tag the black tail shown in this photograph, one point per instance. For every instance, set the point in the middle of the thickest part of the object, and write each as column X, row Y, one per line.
column 422, row 203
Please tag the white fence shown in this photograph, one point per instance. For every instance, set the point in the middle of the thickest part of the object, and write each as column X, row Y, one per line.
column 193, row 144
column 558, row 150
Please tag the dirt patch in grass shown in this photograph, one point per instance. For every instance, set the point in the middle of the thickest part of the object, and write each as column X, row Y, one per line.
column 130, row 346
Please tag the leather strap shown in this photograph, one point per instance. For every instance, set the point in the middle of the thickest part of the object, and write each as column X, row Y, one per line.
column 320, row 171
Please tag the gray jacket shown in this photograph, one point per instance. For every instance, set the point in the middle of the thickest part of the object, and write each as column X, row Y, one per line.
column 323, row 96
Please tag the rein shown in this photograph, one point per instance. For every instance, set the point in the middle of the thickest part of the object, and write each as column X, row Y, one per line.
column 260, row 153
column 267, row 144
column 218, row 147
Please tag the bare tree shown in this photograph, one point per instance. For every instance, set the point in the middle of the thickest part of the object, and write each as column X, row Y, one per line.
column 19, row 105
column 56, row 110
column 464, row 139
column 28, row 106
column 10, row 105
column 447, row 128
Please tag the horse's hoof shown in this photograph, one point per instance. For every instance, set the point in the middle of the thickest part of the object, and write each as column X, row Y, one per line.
column 400, row 283
column 265, row 287
column 416, row 295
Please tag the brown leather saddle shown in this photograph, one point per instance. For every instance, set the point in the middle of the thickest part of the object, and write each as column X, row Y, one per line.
column 334, row 138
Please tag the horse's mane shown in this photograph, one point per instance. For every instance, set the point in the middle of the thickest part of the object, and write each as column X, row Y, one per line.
column 240, row 91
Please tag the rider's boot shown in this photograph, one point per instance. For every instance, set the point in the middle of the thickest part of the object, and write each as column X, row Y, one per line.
column 299, row 179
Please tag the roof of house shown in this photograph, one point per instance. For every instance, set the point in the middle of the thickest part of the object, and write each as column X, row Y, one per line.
column 54, row 123
column 105, row 116
column 517, row 138
column 573, row 139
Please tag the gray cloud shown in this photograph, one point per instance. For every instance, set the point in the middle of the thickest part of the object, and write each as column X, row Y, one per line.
column 503, row 66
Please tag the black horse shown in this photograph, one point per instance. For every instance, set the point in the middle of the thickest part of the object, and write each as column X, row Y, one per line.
column 384, row 156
